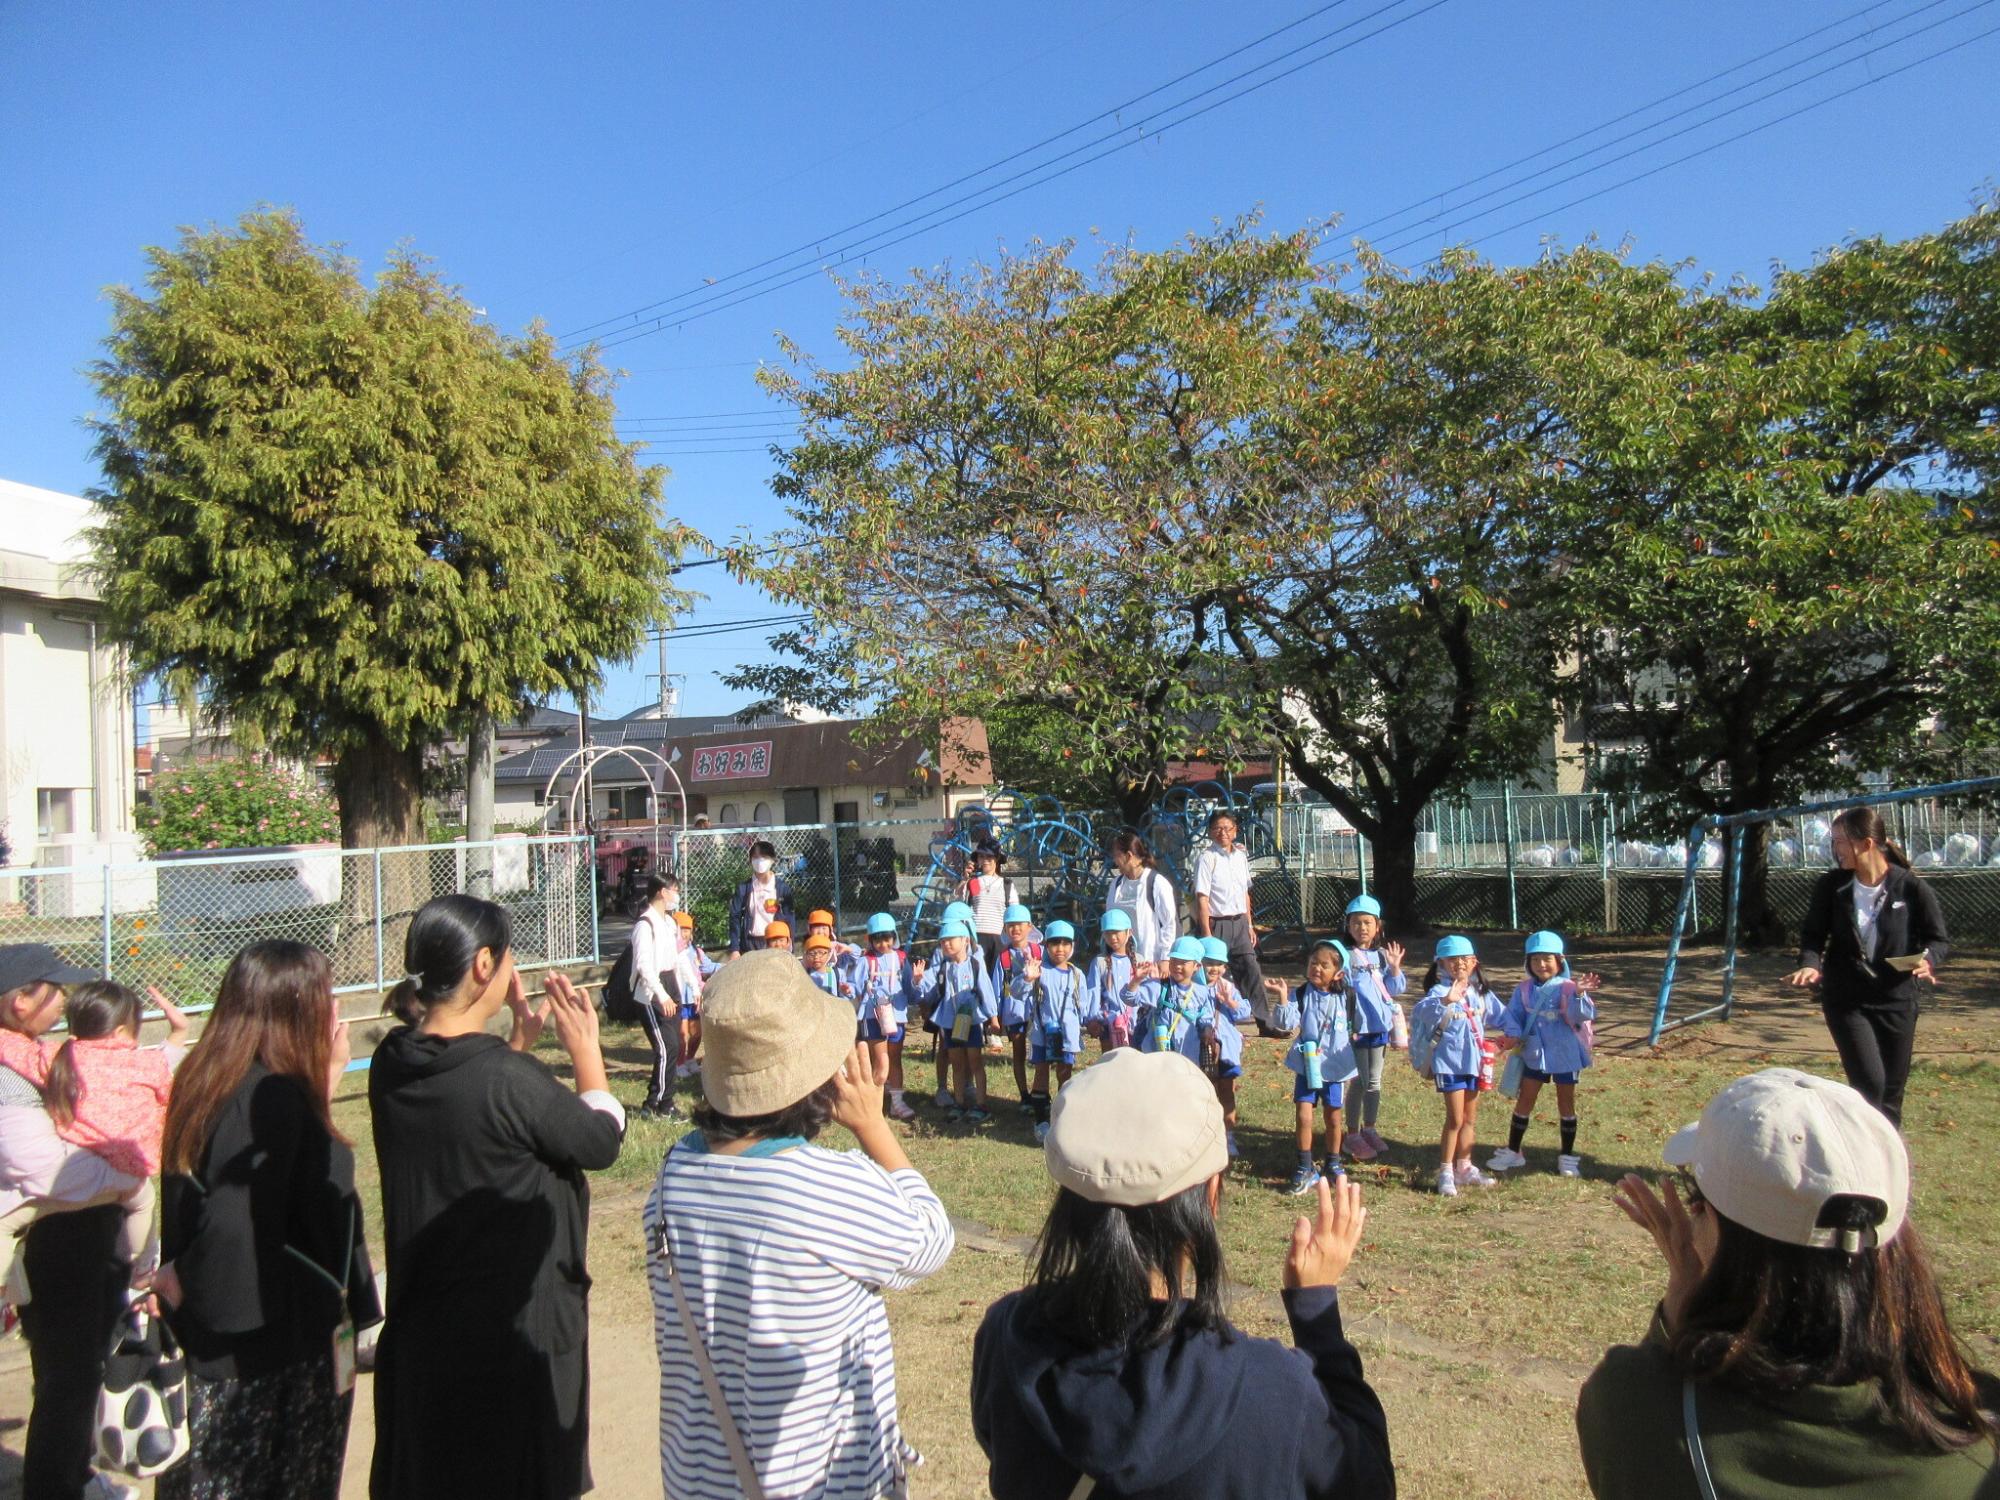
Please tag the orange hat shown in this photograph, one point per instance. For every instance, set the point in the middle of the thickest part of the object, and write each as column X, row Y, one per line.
column 820, row 919
column 819, row 940
column 685, row 919
column 777, row 929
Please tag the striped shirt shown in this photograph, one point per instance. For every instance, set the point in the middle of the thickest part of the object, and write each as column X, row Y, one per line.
column 783, row 1258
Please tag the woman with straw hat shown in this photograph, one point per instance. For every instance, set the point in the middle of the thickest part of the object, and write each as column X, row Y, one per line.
column 1116, row 1365
column 767, row 1253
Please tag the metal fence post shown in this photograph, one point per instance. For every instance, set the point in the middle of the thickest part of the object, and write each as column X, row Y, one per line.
column 107, row 921
column 1361, row 859
column 1513, row 896
column 379, row 972
column 588, row 849
column 833, row 838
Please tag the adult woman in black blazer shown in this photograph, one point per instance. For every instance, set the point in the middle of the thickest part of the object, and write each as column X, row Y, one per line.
column 1864, row 916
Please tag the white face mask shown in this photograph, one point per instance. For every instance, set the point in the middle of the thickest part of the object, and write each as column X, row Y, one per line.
column 761, row 865
column 673, row 900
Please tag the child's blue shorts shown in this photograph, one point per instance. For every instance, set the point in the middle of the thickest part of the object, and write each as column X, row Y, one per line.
column 1458, row 1083
column 871, row 1031
column 1305, row 1093
column 1371, row 1038
column 1038, row 1054
column 690, row 1013
column 1017, row 1028
column 1226, row 1070
column 974, row 1043
column 1536, row 1076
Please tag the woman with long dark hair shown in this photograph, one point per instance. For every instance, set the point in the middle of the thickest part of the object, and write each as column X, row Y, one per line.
column 265, row 1265
column 1801, row 1346
column 1117, row 1365
column 1146, row 896
column 481, row 1376
column 1873, row 934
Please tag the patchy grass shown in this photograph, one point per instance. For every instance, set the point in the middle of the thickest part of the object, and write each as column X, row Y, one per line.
column 1478, row 1317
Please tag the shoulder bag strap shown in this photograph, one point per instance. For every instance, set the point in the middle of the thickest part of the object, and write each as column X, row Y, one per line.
column 725, row 1420
column 1697, row 1455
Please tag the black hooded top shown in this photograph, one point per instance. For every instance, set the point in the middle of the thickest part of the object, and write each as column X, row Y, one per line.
column 1197, row 1417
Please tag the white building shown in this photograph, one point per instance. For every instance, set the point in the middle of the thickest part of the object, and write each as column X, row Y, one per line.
column 65, row 704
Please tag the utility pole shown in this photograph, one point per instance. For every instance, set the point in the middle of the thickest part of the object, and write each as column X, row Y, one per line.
column 583, row 743
column 479, row 764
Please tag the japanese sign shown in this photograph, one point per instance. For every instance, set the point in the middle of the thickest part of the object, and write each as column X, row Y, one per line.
column 733, row 762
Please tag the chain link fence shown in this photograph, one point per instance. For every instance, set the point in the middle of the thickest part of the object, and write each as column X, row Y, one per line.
column 176, row 922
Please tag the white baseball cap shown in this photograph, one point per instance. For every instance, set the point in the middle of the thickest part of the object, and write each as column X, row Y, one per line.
column 1771, row 1149
column 1138, row 1127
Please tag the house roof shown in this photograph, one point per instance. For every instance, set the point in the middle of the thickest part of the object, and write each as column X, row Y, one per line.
column 832, row 752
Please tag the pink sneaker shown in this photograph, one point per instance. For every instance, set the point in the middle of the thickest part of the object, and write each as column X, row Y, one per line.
column 1358, row 1147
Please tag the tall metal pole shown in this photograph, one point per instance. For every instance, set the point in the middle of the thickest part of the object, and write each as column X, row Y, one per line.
column 479, row 766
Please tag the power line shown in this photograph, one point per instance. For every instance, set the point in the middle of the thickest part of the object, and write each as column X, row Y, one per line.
column 988, row 196
column 1743, row 134
column 1049, row 140
column 1411, row 236
column 1429, row 198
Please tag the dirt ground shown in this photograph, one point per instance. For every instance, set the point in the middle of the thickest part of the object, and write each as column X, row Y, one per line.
column 1473, row 1412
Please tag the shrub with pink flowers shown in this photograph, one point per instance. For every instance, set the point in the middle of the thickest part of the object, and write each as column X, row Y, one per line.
column 235, row 804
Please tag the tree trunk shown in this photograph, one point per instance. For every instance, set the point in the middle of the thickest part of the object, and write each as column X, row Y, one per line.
column 1757, row 923
column 1392, row 877
column 381, row 807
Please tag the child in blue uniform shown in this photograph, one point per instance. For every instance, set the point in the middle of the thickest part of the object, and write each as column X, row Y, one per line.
column 1114, row 984
column 960, row 998
column 1447, row 1030
column 1175, row 1013
column 955, row 911
column 886, row 985
column 1231, row 1011
column 1374, row 979
column 1322, row 1059
column 1008, row 964
column 1551, row 1018
column 1054, row 996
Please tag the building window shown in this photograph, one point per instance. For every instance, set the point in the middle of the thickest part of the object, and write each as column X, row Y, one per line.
column 847, row 812
column 627, row 803
column 728, row 814
column 55, row 811
column 762, row 814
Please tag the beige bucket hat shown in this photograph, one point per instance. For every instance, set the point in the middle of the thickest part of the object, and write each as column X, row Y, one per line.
column 769, row 1035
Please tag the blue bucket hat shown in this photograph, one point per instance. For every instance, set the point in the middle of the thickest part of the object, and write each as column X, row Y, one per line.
column 1117, row 920
column 1059, row 931
column 1365, row 906
column 1214, row 951
column 881, row 922
column 1547, row 942
column 1016, row 913
column 957, row 911
column 956, row 927
column 1454, row 946
column 1186, row 947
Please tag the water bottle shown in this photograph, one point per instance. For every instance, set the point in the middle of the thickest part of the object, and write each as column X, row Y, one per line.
column 1121, row 1029
column 1315, row 1078
column 1163, row 1036
column 1399, row 1030
column 885, row 1018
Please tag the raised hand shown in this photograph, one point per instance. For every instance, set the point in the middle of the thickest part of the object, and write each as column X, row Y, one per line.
column 1392, row 957
column 1323, row 1246
column 1588, row 983
column 177, row 1021
column 1666, row 1219
column 528, row 1019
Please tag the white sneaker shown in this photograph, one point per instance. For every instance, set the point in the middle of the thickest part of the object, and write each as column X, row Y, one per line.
column 689, row 1068
column 1506, row 1159
column 104, row 1487
column 1569, row 1166
column 944, row 1099
column 1470, row 1176
column 1447, row 1183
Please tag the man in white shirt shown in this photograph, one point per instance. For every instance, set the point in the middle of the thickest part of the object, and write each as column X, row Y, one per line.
column 1222, row 909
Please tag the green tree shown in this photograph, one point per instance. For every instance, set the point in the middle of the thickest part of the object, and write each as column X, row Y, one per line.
column 988, row 499
column 1784, row 570
column 358, row 518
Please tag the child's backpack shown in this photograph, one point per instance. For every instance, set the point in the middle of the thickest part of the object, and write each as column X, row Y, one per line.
column 1006, row 960
column 1423, row 1045
column 620, row 1003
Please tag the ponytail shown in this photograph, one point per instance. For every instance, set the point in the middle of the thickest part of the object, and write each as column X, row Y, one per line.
column 444, row 938
column 1132, row 843
column 97, row 1009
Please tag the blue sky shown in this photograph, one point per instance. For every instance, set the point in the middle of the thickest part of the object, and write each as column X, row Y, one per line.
column 571, row 163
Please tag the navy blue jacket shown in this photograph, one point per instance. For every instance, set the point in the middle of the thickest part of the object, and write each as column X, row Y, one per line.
column 739, row 915
column 1193, row 1418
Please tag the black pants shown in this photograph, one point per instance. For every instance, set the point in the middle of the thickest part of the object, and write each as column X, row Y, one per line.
column 1875, row 1042
column 663, row 1035
column 1244, row 970
column 76, row 1282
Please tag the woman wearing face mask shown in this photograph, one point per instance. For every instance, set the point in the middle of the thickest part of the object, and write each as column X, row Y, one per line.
column 656, row 987
column 764, row 898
